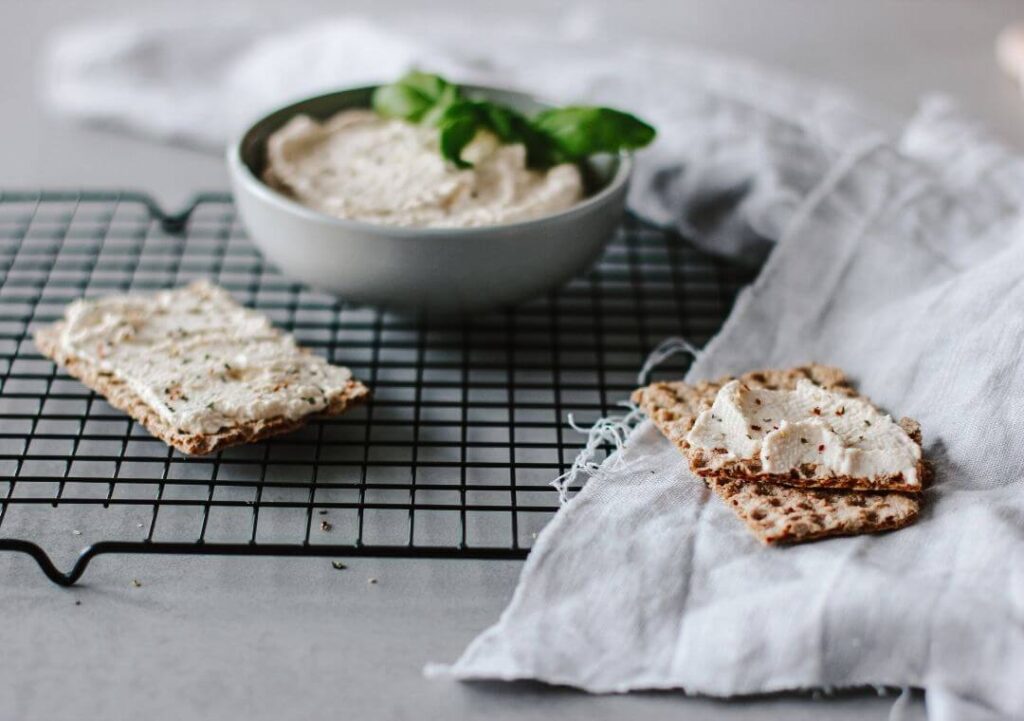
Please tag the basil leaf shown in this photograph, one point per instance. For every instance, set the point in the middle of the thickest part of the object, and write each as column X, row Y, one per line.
column 398, row 101
column 503, row 122
column 414, row 97
column 457, row 127
column 432, row 86
column 461, row 121
column 541, row 151
column 554, row 136
column 508, row 125
column 448, row 97
column 581, row 131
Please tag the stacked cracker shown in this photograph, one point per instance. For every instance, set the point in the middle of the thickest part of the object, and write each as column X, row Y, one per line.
column 784, row 509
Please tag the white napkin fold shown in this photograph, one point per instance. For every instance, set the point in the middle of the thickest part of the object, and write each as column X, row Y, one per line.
column 906, row 268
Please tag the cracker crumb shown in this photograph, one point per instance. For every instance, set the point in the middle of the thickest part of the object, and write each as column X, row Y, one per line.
column 136, row 583
column 326, row 526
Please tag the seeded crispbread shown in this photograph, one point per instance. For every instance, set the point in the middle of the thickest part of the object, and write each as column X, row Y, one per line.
column 783, row 514
column 777, row 513
column 661, row 401
column 122, row 397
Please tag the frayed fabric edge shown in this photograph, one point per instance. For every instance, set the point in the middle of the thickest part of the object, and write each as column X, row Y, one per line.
column 615, row 430
column 666, row 349
column 610, row 431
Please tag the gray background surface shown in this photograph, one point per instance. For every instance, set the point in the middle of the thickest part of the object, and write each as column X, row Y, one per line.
column 284, row 638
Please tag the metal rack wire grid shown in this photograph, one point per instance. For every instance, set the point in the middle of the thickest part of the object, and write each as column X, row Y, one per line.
column 452, row 458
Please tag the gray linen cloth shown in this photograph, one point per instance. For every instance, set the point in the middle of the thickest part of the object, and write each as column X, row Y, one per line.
column 906, row 268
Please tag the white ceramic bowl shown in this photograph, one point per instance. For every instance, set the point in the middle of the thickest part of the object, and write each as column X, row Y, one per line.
column 447, row 271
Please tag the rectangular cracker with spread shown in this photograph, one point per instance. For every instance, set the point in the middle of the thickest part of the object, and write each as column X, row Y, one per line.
column 198, row 370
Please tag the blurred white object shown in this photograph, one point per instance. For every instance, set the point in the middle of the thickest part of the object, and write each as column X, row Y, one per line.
column 1010, row 52
column 738, row 149
column 198, row 83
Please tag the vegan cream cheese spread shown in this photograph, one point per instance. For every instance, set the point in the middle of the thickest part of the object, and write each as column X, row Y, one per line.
column 785, row 429
column 359, row 165
column 199, row 359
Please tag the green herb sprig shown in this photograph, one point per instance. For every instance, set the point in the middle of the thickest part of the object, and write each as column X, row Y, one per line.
column 558, row 135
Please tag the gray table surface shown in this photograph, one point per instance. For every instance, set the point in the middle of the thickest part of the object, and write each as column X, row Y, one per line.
column 212, row 638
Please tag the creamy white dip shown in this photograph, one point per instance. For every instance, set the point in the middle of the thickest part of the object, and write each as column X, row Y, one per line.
column 361, row 166
column 809, row 425
column 199, row 359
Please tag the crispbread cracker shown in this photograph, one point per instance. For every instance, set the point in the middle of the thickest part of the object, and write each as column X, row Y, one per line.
column 782, row 514
column 661, row 401
column 778, row 513
column 119, row 395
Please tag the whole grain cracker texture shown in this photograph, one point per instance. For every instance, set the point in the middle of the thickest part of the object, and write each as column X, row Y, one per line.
column 776, row 512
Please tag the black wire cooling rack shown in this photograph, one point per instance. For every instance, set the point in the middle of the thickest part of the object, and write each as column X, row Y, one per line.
column 451, row 459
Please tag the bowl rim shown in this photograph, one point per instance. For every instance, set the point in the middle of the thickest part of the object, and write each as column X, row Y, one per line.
column 240, row 170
